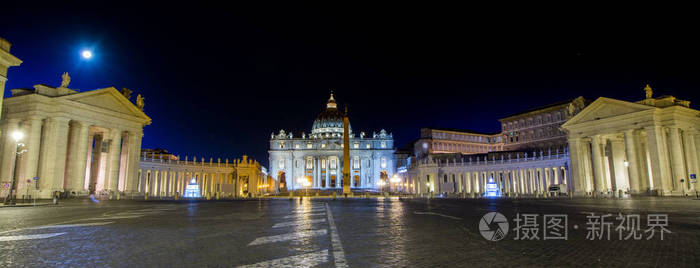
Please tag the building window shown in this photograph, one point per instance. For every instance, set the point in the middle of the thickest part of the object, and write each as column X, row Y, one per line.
column 280, row 164
column 309, row 145
column 383, row 162
column 281, row 145
column 368, row 146
column 356, row 145
column 309, row 163
column 323, row 163
column 356, row 163
column 296, row 146
column 323, row 145
column 333, row 166
column 384, row 144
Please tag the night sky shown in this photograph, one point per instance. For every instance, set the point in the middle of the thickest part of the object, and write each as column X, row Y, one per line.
column 219, row 80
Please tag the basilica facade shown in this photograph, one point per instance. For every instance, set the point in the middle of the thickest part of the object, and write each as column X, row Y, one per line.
column 315, row 160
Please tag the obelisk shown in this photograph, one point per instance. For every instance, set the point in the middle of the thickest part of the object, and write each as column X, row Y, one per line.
column 346, row 154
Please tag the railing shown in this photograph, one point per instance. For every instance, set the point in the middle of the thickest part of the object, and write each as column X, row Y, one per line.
column 470, row 161
column 187, row 162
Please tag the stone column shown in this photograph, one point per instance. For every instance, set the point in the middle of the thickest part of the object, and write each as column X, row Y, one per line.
column 328, row 171
column 339, row 173
column 133, row 160
column 598, row 168
column 577, row 154
column 642, row 161
column 8, row 149
column 677, row 162
column 543, row 180
column 113, row 160
column 691, row 156
column 632, row 159
column 696, row 135
column 77, row 156
column 29, row 161
column 153, row 183
column 95, row 183
column 52, row 164
column 317, row 171
column 661, row 171
column 621, row 178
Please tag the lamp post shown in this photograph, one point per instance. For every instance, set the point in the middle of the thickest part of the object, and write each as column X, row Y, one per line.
column 303, row 181
column 381, row 184
column 396, row 181
column 17, row 135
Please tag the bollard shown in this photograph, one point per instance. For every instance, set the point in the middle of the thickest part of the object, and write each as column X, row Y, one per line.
column 55, row 198
column 367, row 195
column 334, row 194
column 145, row 196
column 119, row 195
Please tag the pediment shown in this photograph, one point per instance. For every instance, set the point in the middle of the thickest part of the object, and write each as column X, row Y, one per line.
column 603, row 108
column 108, row 99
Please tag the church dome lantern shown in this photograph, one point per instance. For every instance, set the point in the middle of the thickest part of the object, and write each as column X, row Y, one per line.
column 329, row 123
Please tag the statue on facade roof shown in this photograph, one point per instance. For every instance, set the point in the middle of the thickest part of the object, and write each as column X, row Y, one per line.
column 127, row 93
column 571, row 109
column 140, row 102
column 65, row 80
column 648, row 91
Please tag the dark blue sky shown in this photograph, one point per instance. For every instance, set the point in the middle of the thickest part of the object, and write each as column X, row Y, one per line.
column 219, row 80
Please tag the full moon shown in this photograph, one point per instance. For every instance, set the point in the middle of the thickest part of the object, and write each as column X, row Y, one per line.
column 86, row 54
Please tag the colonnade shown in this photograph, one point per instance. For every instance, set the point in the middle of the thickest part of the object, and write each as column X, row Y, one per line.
column 63, row 154
column 159, row 177
column 167, row 183
column 653, row 159
column 520, row 176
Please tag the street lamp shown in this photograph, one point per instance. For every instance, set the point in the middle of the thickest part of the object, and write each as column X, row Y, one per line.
column 381, row 184
column 303, row 181
column 17, row 136
column 395, row 180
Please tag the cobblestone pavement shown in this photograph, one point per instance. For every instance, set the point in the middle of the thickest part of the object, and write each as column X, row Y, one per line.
column 340, row 233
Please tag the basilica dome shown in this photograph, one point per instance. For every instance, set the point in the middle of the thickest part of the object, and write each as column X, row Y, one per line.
column 329, row 123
